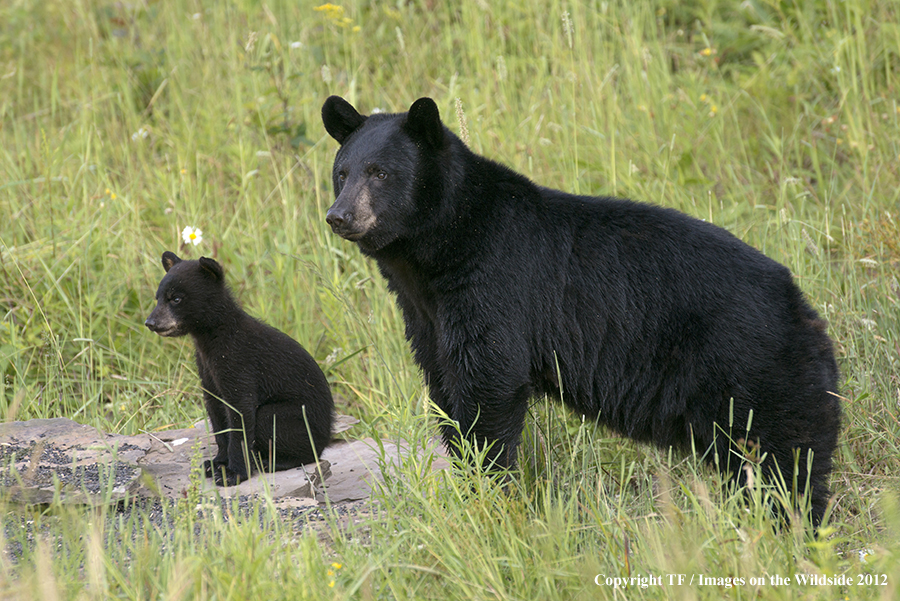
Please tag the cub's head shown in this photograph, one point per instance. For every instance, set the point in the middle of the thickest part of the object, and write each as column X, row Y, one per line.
column 189, row 298
column 385, row 172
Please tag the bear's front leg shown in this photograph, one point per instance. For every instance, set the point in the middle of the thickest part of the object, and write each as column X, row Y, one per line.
column 241, row 418
column 489, row 415
column 218, row 419
column 477, row 373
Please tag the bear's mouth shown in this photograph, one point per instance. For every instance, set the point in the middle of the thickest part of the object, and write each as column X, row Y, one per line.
column 168, row 332
column 347, row 233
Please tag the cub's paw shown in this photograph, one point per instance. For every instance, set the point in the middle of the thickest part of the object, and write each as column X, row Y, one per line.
column 212, row 468
column 225, row 476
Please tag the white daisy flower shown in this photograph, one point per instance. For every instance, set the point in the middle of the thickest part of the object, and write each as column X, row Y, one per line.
column 192, row 235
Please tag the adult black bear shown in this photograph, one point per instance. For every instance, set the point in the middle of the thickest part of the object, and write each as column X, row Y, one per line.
column 664, row 327
column 255, row 378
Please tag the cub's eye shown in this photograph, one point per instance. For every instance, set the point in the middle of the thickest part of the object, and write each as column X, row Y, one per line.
column 381, row 175
column 175, row 300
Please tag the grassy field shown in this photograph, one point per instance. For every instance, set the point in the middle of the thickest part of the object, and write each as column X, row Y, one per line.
column 122, row 123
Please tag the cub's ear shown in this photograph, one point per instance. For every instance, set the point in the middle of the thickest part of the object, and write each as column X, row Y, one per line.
column 423, row 122
column 340, row 118
column 211, row 268
column 169, row 260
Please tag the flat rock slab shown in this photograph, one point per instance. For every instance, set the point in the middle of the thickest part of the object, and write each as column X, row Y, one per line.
column 172, row 454
column 46, row 459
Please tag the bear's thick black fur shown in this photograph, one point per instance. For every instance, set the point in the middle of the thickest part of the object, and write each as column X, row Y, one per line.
column 255, row 378
column 655, row 319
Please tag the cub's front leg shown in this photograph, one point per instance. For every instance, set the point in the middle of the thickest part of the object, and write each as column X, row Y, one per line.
column 236, row 460
column 217, row 412
column 229, row 466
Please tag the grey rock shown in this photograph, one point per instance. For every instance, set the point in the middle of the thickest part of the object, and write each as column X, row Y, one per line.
column 356, row 466
column 46, row 459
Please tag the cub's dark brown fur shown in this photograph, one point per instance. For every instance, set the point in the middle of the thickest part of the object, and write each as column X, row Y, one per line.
column 255, row 378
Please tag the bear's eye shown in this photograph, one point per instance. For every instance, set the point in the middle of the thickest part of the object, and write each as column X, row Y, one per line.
column 175, row 300
column 381, row 175
column 342, row 176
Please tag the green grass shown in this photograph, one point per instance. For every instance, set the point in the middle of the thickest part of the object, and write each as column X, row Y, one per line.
column 777, row 120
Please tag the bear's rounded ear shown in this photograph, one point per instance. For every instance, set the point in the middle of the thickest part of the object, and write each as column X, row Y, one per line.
column 424, row 122
column 212, row 268
column 340, row 118
column 169, row 260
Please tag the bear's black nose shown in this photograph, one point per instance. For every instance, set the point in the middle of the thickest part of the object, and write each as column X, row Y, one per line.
column 338, row 220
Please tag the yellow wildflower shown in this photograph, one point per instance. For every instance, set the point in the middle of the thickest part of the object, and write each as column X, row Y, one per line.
column 335, row 14
column 332, row 11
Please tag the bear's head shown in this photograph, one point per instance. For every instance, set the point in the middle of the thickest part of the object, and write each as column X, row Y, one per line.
column 386, row 174
column 191, row 297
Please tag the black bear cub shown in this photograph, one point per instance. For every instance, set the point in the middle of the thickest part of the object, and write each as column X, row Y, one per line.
column 255, row 378
column 664, row 327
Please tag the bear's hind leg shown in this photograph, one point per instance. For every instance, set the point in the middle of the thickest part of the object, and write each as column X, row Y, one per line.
column 785, row 470
column 297, row 433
